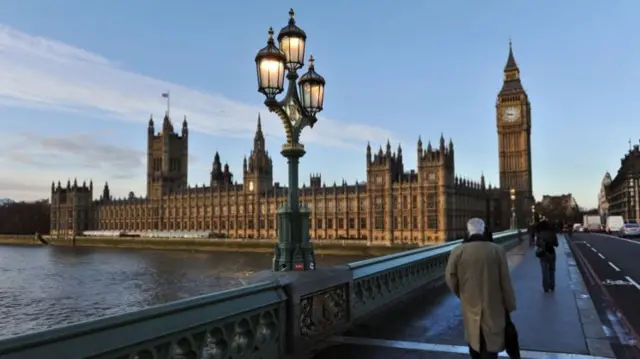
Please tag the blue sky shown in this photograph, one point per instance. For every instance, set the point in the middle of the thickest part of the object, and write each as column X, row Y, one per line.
column 78, row 83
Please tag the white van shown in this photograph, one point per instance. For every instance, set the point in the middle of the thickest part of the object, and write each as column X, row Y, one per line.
column 615, row 224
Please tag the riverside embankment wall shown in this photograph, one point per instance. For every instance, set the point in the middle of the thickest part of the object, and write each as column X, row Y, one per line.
column 327, row 247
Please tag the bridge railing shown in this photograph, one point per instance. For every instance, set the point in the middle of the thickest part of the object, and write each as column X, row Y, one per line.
column 281, row 315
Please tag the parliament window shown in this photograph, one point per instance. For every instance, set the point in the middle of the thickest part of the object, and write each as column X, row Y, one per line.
column 379, row 222
column 431, row 200
column 157, row 164
column 363, row 223
column 378, row 204
column 432, row 222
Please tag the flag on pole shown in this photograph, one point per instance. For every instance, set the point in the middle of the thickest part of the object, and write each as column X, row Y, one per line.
column 165, row 94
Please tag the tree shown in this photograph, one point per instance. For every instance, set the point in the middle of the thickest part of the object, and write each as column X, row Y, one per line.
column 25, row 217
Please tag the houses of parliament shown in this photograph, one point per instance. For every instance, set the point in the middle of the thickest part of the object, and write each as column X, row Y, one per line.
column 427, row 205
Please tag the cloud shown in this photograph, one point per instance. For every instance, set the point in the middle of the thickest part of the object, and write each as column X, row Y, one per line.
column 46, row 74
column 31, row 160
column 79, row 150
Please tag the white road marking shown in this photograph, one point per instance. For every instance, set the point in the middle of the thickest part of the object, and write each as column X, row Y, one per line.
column 593, row 249
column 614, row 267
column 620, row 238
column 445, row 348
column 633, row 282
column 600, row 255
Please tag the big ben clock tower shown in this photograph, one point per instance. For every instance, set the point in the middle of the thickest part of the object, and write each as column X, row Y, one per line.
column 513, row 113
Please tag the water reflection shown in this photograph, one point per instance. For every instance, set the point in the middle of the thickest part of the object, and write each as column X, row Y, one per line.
column 42, row 287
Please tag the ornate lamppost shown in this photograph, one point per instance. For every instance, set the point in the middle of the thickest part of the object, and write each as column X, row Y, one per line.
column 512, row 194
column 297, row 110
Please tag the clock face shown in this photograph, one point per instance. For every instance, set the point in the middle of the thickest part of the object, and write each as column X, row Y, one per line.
column 511, row 114
column 250, row 185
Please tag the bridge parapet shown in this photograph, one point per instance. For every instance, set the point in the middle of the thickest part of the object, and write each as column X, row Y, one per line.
column 281, row 315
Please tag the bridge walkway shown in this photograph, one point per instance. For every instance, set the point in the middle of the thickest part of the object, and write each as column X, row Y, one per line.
column 563, row 324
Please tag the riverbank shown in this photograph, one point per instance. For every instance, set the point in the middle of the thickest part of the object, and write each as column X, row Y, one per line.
column 323, row 247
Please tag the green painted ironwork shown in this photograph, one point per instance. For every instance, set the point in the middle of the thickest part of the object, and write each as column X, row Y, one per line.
column 285, row 315
column 227, row 324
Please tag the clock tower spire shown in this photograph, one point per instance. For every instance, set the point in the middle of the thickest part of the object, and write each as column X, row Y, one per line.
column 511, row 80
column 513, row 120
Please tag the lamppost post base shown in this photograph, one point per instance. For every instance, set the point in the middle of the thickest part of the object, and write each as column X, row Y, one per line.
column 294, row 251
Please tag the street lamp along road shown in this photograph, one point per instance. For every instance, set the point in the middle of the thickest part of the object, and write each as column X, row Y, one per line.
column 533, row 213
column 297, row 110
column 512, row 194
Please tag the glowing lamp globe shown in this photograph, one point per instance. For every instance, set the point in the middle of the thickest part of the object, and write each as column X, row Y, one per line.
column 311, row 87
column 270, row 69
column 292, row 40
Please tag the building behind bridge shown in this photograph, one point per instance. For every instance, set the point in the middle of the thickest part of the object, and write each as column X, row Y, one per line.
column 561, row 208
column 622, row 191
column 427, row 205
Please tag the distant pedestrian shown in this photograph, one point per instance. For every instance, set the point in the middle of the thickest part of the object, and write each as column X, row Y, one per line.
column 546, row 251
column 478, row 273
column 532, row 234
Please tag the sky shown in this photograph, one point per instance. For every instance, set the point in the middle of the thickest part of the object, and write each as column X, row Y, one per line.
column 78, row 83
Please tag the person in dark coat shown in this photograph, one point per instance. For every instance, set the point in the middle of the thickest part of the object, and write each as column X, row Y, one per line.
column 488, row 234
column 546, row 251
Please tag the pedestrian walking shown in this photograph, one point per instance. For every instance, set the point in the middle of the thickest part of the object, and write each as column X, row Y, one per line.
column 478, row 273
column 546, row 251
column 532, row 235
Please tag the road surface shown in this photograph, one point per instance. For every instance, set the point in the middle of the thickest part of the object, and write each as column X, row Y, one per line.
column 614, row 265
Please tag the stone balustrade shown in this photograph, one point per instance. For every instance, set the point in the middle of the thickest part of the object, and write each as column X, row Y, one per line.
column 281, row 315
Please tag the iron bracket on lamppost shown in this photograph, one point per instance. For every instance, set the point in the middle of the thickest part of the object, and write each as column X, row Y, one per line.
column 297, row 110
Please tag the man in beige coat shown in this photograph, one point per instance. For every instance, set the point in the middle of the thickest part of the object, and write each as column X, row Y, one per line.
column 478, row 273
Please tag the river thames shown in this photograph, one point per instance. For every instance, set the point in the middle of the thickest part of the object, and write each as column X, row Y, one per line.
column 45, row 286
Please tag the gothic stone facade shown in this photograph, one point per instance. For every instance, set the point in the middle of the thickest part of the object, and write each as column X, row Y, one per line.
column 623, row 191
column 427, row 205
